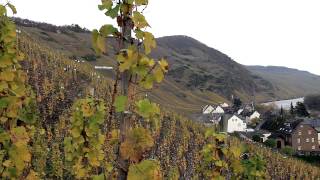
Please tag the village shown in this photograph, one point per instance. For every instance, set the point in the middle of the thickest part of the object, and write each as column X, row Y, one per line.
column 289, row 130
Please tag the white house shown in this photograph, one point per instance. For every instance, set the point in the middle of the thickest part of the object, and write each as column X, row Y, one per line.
column 224, row 105
column 208, row 109
column 218, row 110
column 265, row 136
column 255, row 115
column 235, row 124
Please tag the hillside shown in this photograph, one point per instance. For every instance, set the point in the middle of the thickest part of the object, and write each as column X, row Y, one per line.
column 198, row 74
column 290, row 82
column 180, row 144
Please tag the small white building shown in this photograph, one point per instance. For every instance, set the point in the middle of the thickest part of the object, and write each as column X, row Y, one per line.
column 255, row 115
column 265, row 136
column 235, row 124
column 208, row 109
column 218, row 110
column 224, row 105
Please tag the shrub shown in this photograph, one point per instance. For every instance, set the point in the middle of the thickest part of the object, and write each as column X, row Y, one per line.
column 288, row 150
column 271, row 143
column 256, row 138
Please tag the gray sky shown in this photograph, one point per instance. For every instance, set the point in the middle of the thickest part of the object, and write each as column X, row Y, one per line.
column 252, row 32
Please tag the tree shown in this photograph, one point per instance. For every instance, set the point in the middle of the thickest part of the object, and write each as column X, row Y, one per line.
column 237, row 103
column 272, row 143
column 292, row 110
column 313, row 102
column 301, row 110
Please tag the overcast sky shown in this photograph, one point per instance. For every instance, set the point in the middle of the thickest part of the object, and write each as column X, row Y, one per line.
column 252, row 32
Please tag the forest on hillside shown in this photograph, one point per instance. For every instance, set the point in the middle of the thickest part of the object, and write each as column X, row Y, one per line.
column 60, row 119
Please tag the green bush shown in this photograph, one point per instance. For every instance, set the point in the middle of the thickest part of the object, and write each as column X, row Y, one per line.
column 288, row 150
column 256, row 138
column 271, row 143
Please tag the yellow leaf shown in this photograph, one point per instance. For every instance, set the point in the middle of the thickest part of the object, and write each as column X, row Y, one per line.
column 149, row 42
column 5, row 61
column 32, row 176
column 158, row 74
column 7, row 163
column 139, row 20
column 7, row 76
column 164, row 65
column 145, row 170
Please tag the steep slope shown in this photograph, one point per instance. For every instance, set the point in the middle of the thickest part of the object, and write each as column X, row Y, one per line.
column 197, row 66
column 58, row 81
column 198, row 74
column 289, row 82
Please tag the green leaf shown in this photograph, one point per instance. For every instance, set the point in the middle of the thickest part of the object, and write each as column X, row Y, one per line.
column 120, row 103
column 98, row 177
column 98, row 42
column 13, row 8
column 3, row 10
column 113, row 13
column 106, row 4
column 139, row 33
column 147, row 82
column 139, row 20
column 130, row 1
column 145, row 170
column 147, row 109
column 107, row 30
column 141, row 2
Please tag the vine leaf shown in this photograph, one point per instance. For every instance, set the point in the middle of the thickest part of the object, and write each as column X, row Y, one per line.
column 159, row 76
column 106, row 4
column 98, row 42
column 164, row 65
column 113, row 12
column 120, row 103
column 141, row 2
column 147, row 109
column 139, row 20
column 149, row 42
column 145, row 170
column 13, row 8
column 107, row 30
column 138, row 141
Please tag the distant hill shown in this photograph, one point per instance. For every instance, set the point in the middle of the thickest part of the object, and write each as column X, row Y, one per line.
column 198, row 75
column 289, row 82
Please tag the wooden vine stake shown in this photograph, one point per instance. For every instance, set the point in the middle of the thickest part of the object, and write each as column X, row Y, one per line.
column 135, row 70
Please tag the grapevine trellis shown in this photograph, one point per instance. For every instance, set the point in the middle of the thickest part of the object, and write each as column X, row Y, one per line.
column 64, row 131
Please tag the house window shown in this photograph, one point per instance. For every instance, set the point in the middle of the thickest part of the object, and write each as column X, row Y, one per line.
column 309, row 132
column 312, row 140
column 313, row 147
column 307, row 140
column 299, row 133
column 298, row 140
column 299, row 148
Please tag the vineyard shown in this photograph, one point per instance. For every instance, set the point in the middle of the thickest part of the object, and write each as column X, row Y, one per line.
column 60, row 119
